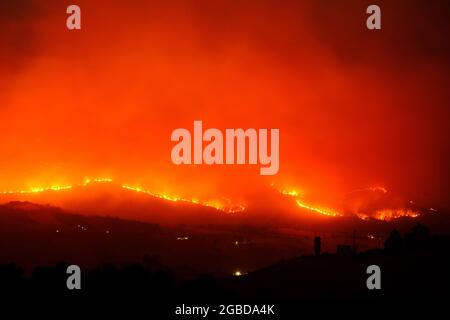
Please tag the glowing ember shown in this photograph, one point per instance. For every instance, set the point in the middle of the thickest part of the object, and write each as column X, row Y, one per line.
column 363, row 216
column 384, row 190
column 96, row 180
column 292, row 193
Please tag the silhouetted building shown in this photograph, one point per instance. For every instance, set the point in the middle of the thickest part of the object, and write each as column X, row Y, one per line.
column 344, row 250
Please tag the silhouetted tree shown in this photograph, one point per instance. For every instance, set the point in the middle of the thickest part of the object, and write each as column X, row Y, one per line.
column 152, row 262
column 317, row 245
column 418, row 238
column 204, row 287
column 50, row 280
column 394, row 242
column 11, row 278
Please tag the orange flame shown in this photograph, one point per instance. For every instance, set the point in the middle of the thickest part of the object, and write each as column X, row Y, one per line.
column 374, row 189
column 37, row 190
column 299, row 194
column 324, row 211
column 217, row 204
column 384, row 215
column 225, row 205
column 390, row 214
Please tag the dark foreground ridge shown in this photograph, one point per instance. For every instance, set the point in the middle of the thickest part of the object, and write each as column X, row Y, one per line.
column 156, row 268
column 414, row 269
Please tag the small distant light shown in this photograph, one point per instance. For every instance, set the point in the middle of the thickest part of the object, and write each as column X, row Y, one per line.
column 107, row 231
column 57, row 231
column 236, row 242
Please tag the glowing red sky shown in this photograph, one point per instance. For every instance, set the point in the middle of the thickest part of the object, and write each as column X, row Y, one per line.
column 355, row 108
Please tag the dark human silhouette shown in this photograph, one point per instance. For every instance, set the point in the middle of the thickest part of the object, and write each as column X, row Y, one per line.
column 317, row 245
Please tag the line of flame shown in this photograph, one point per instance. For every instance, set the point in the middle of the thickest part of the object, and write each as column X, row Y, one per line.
column 37, row 190
column 298, row 194
column 324, row 211
column 207, row 203
column 216, row 204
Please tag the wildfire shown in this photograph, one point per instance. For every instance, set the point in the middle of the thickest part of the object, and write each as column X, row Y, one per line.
column 384, row 215
column 390, row 214
column 37, row 190
column 299, row 194
column 373, row 189
column 226, row 207
column 292, row 193
column 98, row 180
column 324, row 211
column 55, row 187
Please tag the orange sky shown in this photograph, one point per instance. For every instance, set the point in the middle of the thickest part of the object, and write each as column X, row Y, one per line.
column 355, row 108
